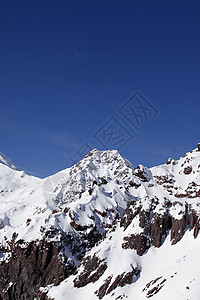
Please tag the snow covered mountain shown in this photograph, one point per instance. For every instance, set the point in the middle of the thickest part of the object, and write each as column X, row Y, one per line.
column 101, row 229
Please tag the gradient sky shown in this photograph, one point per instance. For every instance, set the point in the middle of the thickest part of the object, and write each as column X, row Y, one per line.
column 68, row 69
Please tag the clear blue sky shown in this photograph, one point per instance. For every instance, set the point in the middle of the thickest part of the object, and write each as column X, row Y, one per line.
column 67, row 68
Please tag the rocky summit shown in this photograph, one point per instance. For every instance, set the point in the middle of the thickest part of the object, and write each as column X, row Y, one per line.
column 102, row 229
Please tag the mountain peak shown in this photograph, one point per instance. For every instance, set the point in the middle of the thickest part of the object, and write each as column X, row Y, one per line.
column 96, row 158
column 7, row 162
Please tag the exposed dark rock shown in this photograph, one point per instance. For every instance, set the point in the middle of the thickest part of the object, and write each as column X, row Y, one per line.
column 154, row 290
column 28, row 221
column 178, row 229
column 133, row 184
column 115, row 284
column 187, row 170
column 120, row 297
column 144, row 220
column 139, row 242
column 194, row 221
column 65, row 210
column 43, row 296
column 198, row 146
column 180, row 195
column 143, row 173
column 102, row 290
column 129, row 214
column 151, row 283
column 104, row 181
column 71, row 215
column 128, row 277
column 121, row 280
column 163, row 179
column 94, row 183
column 192, row 191
column 31, row 267
column 169, row 161
column 159, row 227
column 153, row 230
column 103, row 214
column 77, row 226
column 90, row 191
column 93, row 270
column 93, row 237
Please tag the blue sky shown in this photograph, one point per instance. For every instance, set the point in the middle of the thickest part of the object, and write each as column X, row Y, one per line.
column 69, row 69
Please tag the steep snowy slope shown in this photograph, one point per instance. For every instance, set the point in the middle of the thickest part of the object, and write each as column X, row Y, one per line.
column 101, row 228
column 15, row 188
column 4, row 160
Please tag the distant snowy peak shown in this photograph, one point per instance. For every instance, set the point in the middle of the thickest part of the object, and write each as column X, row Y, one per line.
column 106, row 164
column 7, row 162
column 96, row 159
column 97, row 168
